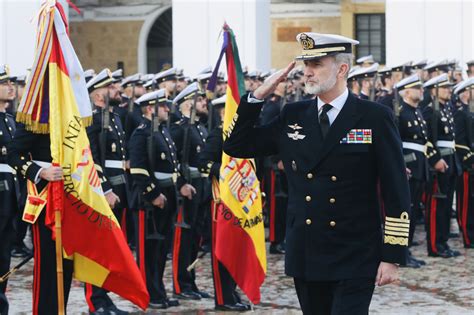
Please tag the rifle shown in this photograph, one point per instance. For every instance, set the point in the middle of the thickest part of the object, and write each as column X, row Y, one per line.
column 131, row 99
column 173, row 106
column 151, row 231
column 185, row 170
column 434, row 133
column 103, row 131
column 372, row 89
column 7, row 275
column 15, row 101
column 396, row 103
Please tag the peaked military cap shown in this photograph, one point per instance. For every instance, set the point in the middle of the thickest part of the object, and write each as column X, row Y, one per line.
column 153, row 98
column 441, row 80
column 368, row 59
column 406, row 67
column 437, row 66
column 102, row 79
column 255, row 74
column 135, row 79
column 219, row 102
column 188, row 93
column 117, row 75
column 204, row 77
column 89, row 74
column 317, row 45
column 149, row 84
column 464, row 86
column 364, row 73
column 409, row 82
column 4, row 73
column 170, row 74
column 419, row 65
column 385, row 72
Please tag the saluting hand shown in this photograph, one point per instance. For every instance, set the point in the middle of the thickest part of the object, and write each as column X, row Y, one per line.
column 52, row 173
column 386, row 274
column 271, row 83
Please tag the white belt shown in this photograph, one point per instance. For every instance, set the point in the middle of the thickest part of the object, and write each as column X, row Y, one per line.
column 414, row 146
column 5, row 168
column 160, row 175
column 196, row 170
column 115, row 164
column 43, row 164
column 445, row 144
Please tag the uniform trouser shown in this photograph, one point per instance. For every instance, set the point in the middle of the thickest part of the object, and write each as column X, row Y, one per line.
column 465, row 206
column 153, row 229
column 6, row 237
column 342, row 297
column 186, row 240
column 438, row 211
column 21, row 228
column 276, row 189
column 45, row 292
column 224, row 284
column 416, row 193
column 97, row 297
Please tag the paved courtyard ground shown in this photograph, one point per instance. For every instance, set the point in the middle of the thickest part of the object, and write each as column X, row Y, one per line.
column 443, row 286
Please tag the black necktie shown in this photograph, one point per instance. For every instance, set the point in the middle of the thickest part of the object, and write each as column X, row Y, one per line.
column 324, row 119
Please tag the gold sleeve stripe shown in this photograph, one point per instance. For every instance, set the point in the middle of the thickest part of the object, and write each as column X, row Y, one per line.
column 139, row 171
column 390, row 228
column 402, row 219
column 396, row 233
column 98, row 167
column 407, row 225
column 392, row 240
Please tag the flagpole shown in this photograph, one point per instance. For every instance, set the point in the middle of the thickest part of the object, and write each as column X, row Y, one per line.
column 57, row 188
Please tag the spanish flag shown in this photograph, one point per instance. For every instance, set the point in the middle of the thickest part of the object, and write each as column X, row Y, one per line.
column 56, row 101
column 240, row 235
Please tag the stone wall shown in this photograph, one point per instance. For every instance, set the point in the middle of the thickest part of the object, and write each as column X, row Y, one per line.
column 104, row 44
column 284, row 31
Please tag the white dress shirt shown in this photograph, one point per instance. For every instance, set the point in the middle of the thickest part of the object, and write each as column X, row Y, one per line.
column 337, row 105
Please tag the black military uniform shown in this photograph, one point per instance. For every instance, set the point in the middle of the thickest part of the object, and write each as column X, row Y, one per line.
column 334, row 239
column 28, row 153
column 209, row 162
column 338, row 178
column 275, row 185
column 441, row 188
column 463, row 121
column 19, row 248
column 416, row 146
column 9, row 194
column 191, row 218
column 107, row 143
column 154, row 168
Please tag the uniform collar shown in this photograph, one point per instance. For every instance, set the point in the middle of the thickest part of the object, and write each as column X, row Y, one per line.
column 337, row 103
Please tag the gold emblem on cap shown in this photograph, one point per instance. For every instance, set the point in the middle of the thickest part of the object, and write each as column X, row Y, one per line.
column 306, row 42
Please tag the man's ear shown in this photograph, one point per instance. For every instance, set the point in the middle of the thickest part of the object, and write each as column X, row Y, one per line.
column 343, row 69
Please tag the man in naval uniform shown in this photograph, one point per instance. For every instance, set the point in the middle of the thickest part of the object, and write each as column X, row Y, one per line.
column 336, row 149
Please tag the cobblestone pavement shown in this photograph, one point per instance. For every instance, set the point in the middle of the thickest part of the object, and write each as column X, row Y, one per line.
column 443, row 286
